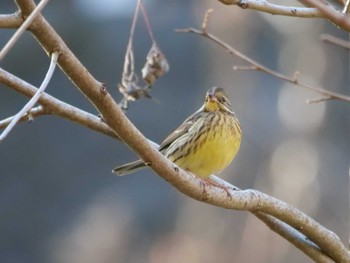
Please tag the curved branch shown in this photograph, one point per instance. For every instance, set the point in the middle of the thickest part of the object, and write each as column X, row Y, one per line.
column 30, row 104
column 273, row 9
column 297, row 239
column 249, row 200
column 284, row 230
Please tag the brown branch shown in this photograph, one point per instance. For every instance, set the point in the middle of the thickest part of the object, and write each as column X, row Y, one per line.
column 315, row 9
column 335, row 40
column 297, row 239
column 54, row 106
column 274, row 9
column 284, row 230
column 22, row 28
column 10, row 21
column 257, row 66
column 32, row 114
column 336, row 16
column 248, row 200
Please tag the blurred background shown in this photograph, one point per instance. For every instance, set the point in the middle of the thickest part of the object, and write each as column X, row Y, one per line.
column 60, row 202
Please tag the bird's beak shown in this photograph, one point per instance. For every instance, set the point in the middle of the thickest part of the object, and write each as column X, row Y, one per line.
column 212, row 97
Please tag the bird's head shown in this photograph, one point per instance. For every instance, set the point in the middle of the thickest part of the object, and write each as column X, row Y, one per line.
column 217, row 100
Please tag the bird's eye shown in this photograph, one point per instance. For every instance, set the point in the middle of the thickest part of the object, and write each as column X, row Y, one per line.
column 223, row 100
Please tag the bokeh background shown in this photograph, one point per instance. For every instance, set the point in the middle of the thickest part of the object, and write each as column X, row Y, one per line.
column 59, row 201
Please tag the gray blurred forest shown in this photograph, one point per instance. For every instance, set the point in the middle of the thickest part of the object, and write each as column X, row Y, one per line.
column 59, row 200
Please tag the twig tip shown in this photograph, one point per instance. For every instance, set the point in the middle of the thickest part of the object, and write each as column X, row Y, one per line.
column 206, row 20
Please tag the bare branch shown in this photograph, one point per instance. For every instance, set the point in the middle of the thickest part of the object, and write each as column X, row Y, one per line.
column 302, row 241
column 317, row 100
column 247, row 68
column 346, row 7
column 294, row 237
column 257, row 66
column 10, row 21
column 284, row 230
column 206, row 19
column 318, row 9
column 54, row 106
column 335, row 40
column 29, row 116
column 22, row 28
column 273, row 9
column 34, row 99
column 337, row 17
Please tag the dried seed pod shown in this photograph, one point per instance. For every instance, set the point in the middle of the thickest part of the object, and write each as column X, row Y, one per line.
column 156, row 65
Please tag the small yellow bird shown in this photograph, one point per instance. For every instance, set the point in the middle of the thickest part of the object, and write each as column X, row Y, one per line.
column 205, row 143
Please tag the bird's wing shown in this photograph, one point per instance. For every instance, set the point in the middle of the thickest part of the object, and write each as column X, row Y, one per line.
column 181, row 130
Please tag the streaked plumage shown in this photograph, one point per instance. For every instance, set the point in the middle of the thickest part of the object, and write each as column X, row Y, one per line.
column 205, row 143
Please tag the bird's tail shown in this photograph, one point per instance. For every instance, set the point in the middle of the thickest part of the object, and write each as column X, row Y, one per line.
column 129, row 168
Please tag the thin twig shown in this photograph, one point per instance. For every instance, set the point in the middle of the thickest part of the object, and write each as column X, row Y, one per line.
column 55, row 106
column 247, row 68
column 34, row 99
column 148, row 24
column 129, row 63
column 335, row 40
column 294, row 80
column 346, row 8
column 30, row 115
column 317, row 100
column 274, row 9
column 206, row 19
column 22, row 28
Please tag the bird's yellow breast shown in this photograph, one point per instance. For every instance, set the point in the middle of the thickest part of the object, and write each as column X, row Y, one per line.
column 212, row 150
